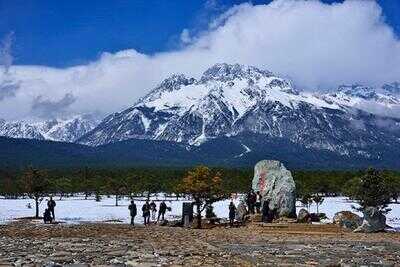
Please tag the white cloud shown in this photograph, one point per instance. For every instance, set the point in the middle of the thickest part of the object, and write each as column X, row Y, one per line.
column 6, row 58
column 43, row 107
column 315, row 44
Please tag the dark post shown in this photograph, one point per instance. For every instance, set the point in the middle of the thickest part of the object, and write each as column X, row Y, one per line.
column 187, row 210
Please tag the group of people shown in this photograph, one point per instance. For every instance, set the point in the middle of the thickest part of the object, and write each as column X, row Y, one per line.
column 253, row 201
column 148, row 209
column 48, row 215
column 253, row 204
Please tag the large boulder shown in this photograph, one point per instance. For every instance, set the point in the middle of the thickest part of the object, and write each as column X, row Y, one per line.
column 276, row 186
column 347, row 219
column 374, row 221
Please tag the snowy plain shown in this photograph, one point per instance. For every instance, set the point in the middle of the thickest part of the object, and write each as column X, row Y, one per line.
column 79, row 210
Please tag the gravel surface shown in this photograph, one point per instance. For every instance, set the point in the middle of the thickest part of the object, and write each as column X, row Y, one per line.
column 27, row 244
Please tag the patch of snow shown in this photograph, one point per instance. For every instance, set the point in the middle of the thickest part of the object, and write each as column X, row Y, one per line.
column 246, row 150
column 77, row 209
column 146, row 122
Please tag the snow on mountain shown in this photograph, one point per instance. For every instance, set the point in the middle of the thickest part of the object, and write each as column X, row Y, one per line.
column 66, row 130
column 393, row 88
column 229, row 100
column 383, row 101
column 19, row 129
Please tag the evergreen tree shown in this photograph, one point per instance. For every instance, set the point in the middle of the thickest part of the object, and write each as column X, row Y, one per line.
column 370, row 190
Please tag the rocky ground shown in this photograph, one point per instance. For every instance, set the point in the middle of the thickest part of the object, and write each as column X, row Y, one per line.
column 28, row 244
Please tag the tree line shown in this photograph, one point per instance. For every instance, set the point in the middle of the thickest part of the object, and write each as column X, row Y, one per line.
column 126, row 181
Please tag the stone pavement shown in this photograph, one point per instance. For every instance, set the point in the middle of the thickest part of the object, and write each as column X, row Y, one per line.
column 24, row 244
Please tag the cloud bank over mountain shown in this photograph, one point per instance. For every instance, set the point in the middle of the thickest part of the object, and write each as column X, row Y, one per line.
column 318, row 46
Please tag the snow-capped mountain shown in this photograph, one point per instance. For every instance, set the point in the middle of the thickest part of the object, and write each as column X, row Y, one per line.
column 66, row 130
column 392, row 88
column 19, row 129
column 232, row 100
column 383, row 100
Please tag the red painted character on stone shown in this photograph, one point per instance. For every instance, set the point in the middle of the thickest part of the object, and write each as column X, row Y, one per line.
column 261, row 181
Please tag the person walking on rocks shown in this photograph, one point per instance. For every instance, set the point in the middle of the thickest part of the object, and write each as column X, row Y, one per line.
column 267, row 214
column 251, row 201
column 162, row 210
column 232, row 213
column 51, row 204
column 258, row 201
column 146, row 212
column 153, row 209
column 133, row 211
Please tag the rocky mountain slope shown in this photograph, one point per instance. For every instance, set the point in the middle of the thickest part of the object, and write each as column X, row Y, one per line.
column 66, row 130
column 234, row 100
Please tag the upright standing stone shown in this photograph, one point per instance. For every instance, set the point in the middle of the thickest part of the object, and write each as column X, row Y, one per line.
column 186, row 221
column 187, row 211
column 276, row 185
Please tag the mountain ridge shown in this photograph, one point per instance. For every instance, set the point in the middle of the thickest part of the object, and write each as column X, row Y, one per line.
column 232, row 99
column 61, row 129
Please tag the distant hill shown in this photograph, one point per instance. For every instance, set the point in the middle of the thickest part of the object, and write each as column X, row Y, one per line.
column 228, row 152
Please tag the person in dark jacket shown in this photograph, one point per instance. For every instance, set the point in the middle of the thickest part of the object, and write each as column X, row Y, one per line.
column 47, row 216
column 232, row 213
column 133, row 211
column 251, row 199
column 51, row 204
column 162, row 210
column 258, row 201
column 146, row 212
column 266, row 212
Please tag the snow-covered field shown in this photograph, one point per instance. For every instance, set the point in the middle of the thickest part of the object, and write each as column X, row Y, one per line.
column 77, row 209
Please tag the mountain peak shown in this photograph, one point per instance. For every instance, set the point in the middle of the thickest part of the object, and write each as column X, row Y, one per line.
column 228, row 72
column 172, row 83
column 175, row 81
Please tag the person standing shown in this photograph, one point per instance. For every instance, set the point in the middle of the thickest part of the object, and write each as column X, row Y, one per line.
column 251, row 201
column 153, row 209
column 258, row 202
column 162, row 210
column 133, row 211
column 232, row 213
column 146, row 212
column 51, row 204
column 266, row 212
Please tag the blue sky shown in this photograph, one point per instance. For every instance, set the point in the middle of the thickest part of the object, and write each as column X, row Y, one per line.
column 65, row 33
